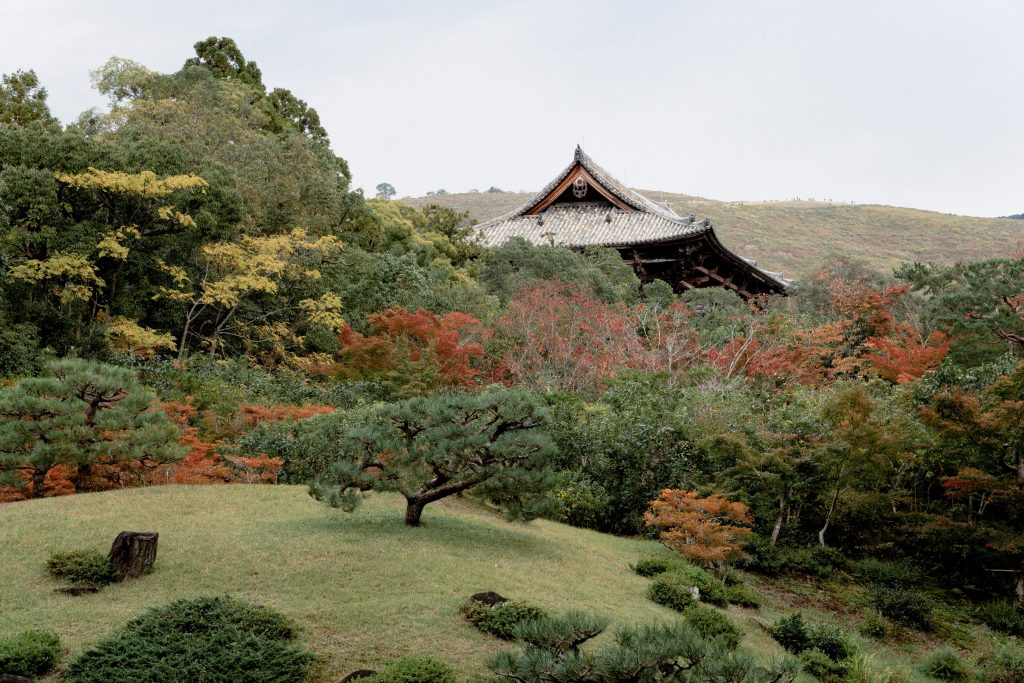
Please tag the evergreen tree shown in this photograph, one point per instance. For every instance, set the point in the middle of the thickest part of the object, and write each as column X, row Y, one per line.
column 431, row 448
column 84, row 414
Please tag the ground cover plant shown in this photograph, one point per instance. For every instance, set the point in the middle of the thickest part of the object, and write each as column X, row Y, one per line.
column 499, row 619
column 81, row 567
column 29, row 653
column 218, row 639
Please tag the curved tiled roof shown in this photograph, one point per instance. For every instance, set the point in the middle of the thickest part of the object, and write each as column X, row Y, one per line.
column 590, row 224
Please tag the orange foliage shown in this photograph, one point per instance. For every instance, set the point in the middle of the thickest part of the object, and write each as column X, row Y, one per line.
column 707, row 530
column 261, row 469
column 254, row 415
column 907, row 356
column 420, row 351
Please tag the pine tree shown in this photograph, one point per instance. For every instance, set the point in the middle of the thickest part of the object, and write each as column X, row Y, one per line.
column 431, row 448
column 81, row 414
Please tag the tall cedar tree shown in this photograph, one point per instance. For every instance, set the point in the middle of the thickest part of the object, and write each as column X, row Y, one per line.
column 83, row 414
column 431, row 448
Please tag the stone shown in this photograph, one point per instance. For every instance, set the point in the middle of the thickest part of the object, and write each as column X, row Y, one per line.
column 76, row 590
column 355, row 675
column 489, row 598
column 11, row 678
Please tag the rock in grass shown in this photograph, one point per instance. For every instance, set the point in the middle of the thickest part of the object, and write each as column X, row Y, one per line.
column 488, row 598
column 74, row 590
column 356, row 675
column 11, row 678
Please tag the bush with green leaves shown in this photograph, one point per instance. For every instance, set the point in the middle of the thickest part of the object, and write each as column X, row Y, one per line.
column 1004, row 663
column 876, row 626
column 792, row 633
column 84, row 567
column 652, row 565
column 831, row 640
column 711, row 623
column 946, row 664
column 818, row 561
column 210, row 639
column 742, row 596
column 883, row 573
column 414, row 669
column 712, row 589
column 29, row 653
column 821, row 666
column 907, row 606
column 1003, row 615
column 674, row 651
column 501, row 619
column 797, row 636
column 672, row 590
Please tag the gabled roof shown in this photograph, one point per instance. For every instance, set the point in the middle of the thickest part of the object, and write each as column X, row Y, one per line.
column 619, row 217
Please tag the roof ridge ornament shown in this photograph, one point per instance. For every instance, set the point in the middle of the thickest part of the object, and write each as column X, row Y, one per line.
column 579, row 187
column 578, row 156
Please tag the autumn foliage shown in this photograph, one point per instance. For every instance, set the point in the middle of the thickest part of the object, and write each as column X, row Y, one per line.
column 414, row 353
column 707, row 530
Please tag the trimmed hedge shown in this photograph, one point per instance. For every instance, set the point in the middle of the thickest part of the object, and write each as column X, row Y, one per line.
column 501, row 619
column 711, row 623
column 414, row 669
column 214, row 640
column 672, row 590
column 81, row 567
column 652, row 565
column 29, row 653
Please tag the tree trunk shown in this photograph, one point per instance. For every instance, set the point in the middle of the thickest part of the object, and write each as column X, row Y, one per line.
column 133, row 553
column 777, row 529
column 413, row 511
column 828, row 517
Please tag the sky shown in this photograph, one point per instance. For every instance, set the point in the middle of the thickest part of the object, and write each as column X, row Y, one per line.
column 905, row 103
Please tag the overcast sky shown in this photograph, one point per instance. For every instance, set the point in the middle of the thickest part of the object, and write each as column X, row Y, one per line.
column 908, row 103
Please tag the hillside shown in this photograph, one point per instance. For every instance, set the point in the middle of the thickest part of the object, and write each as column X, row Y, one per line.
column 364, row 588
column 795, row 236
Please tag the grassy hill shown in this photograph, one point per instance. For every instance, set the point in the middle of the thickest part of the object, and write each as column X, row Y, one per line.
column 365, row 588
column 795, row 236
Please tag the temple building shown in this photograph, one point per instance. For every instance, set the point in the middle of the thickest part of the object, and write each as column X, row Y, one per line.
column 585, row 207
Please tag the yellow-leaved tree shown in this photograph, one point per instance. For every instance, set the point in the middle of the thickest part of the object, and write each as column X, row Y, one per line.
column 231, row 272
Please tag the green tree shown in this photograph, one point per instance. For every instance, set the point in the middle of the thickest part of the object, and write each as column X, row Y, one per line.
column 80, row 413
column 431, row 448
column 23, row 101
column 385, row 191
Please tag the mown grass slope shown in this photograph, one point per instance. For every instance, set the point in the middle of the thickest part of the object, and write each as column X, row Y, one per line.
column 796, row 236
column 364, row 588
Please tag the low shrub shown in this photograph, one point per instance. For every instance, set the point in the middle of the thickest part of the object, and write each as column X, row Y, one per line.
column 582, row 502
column 792, row 633
column 501, row 619
column 1004, row 664
column 81, row 567
column 672, row 590
column 946, row 664
column 742, row 596
column 876, row 626
column 882, row 573
column 414, row 670
column 652, row 565
column 29, row 653
column 907, row 606
column 1002, row 615
column 214, row 640
column 817, row 561
column 821, row 666
column 831, row 640
column 711, row 623
column 712, row 590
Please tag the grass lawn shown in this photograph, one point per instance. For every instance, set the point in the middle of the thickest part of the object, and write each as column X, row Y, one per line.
column 365, row 588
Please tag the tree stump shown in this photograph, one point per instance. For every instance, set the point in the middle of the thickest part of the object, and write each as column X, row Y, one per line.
column 133, row 553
